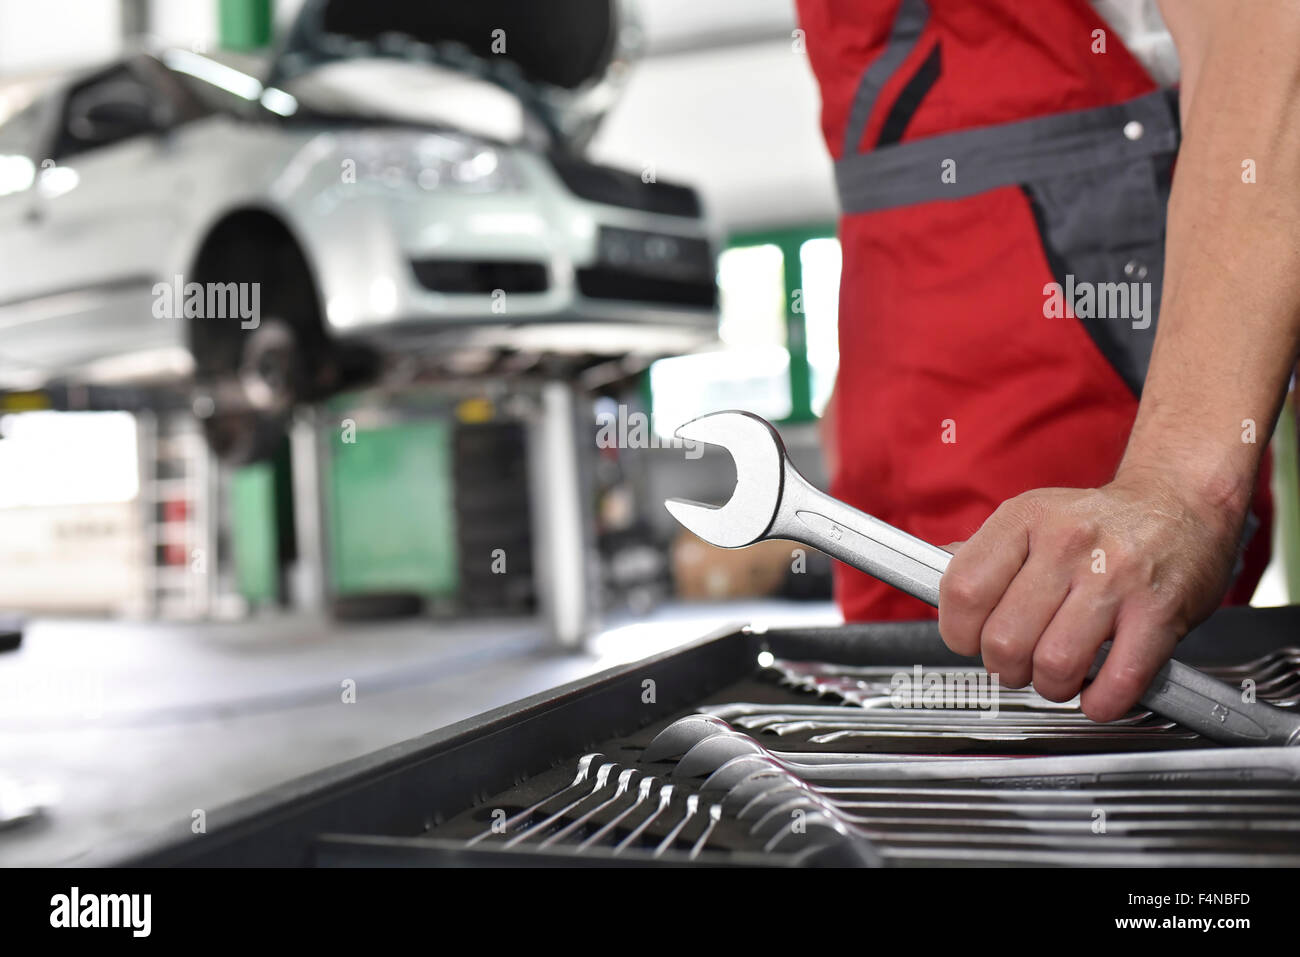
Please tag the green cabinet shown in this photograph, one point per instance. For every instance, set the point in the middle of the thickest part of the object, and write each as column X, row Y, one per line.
column 255, row 540
column 389, row 503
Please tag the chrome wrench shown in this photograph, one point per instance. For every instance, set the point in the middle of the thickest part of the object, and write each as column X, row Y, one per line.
column 772, row 500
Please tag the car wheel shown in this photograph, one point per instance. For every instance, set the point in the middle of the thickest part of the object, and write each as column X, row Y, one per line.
column 250, row 376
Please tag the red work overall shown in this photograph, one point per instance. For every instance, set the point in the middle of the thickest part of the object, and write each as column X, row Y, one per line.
column 984, row 151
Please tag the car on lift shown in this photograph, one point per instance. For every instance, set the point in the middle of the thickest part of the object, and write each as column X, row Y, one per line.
column 396, row 180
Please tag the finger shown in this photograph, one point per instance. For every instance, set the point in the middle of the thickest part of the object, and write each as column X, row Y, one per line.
column 1141, row 646
column 1026, row 608
column 1069, row 645
column 977, row 576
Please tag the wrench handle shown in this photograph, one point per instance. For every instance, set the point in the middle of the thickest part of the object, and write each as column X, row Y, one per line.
column 811, row 516
column 1178, row 692
column 1215, row 709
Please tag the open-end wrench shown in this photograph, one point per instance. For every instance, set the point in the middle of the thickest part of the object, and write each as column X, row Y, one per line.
column 772, row 500
column 580, row 783
column 780, row 724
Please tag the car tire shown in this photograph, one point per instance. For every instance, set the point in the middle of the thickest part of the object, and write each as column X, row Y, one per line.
column 251, row 375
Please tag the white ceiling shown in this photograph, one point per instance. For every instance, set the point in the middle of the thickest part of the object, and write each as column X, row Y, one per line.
column 741, row 123
column 670, row 24
column 36, row 37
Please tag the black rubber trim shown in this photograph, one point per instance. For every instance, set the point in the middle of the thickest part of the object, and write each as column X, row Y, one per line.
column 606, row 282
column 616, row 187
column 480, row 276
column 909, row 99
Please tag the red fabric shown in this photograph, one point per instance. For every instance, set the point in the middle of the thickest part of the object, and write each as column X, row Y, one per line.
column 941, row 303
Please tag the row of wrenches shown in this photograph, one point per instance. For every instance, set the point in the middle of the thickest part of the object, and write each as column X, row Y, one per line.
column 1192, row 807
column 704, row 785
column 874, row 713
column 1117, row 811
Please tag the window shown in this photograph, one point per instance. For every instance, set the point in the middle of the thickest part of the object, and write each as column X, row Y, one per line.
column 206, row 85
column 752, row 368
column 67, row 458
column 114, row 106
column 820, row 260
column 779, row 329
column 751, row 286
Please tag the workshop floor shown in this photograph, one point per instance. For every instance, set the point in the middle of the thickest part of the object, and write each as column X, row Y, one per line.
column 135, row 726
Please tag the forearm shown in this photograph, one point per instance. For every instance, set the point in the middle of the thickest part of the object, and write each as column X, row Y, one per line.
column 1055, row 573
column 1230, row 315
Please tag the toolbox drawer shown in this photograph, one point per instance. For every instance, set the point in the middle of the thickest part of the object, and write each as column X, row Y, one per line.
column 432, row 801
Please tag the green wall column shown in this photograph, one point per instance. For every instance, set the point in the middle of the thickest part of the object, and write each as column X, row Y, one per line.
column 796, row 331
column 244, row 24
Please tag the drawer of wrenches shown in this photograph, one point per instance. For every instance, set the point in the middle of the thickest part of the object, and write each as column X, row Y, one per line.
column 817, row 761
column 859, row 745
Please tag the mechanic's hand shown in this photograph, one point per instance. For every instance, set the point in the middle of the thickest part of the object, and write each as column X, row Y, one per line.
column 1053, row 573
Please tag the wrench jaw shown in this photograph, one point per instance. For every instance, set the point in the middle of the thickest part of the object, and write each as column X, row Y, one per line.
column 680, row 736
column 755, row 787
column 756, row 809
column 817, row 829
column 713, row 752
column 710, row 523
column 718, row 784
column 760, row 460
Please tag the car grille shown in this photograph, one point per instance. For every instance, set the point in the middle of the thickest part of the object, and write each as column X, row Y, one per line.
column 635, row 265
column 480, row 276
column 615, row 187
column 788, row 748
column 605, row 282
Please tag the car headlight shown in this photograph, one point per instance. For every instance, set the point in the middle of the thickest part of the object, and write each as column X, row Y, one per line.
column 431, row 161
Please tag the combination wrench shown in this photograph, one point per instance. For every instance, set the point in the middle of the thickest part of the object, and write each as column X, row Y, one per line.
column 773, row 501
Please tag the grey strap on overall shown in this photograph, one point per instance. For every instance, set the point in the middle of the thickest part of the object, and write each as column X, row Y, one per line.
column 1006, row 154
column 987, row 157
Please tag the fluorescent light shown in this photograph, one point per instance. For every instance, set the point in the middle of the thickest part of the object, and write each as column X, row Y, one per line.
column 218, row 74
column 278, row 101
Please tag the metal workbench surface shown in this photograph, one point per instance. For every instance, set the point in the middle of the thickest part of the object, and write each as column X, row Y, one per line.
column 139, row 724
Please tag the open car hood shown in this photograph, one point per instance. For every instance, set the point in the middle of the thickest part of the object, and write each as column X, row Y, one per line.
column 566, row 59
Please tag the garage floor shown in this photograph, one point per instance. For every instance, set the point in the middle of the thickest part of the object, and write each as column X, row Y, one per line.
column 135, row 726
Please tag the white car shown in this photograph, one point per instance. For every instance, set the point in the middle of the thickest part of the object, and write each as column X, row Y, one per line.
column 399, row 178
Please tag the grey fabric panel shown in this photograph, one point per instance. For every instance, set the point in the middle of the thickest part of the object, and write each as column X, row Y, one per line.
column 1107, row 225
column 908, row 24
column 989, row 157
